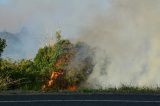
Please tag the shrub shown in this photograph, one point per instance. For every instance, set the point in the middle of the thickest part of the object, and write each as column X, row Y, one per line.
column 72, row 62
column 2, row 45
column 21, row 74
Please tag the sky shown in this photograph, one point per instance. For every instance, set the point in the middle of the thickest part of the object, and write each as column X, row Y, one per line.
column 42, row 18
column 49, row 15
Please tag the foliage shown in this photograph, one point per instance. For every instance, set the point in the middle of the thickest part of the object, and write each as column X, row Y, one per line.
column 58, row 35
column 20, row 74
column 73, row 60
column 81, row 65
column 54, row 59
column 47, row 56
column 2, row 45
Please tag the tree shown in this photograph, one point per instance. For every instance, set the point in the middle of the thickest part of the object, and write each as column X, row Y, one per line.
column 2, row 45
column 58, row 35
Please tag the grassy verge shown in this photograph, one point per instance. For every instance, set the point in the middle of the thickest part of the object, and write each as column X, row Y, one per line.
column 121, row 90
column 128, row 90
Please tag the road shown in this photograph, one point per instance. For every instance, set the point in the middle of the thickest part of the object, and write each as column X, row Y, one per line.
column 75, row 99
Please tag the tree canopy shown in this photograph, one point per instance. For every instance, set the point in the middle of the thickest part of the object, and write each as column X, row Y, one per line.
column 2, row 45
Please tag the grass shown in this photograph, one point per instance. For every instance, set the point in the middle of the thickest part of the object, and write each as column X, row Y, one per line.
column 129, row 90
column 123, row 89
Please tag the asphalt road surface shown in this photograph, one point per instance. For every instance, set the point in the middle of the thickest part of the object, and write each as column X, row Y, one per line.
column 63, row 99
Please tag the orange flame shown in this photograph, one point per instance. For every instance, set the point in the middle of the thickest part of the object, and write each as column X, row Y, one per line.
column 55, row 75
column 50, row 82
column 53, row 78
column 72, row 88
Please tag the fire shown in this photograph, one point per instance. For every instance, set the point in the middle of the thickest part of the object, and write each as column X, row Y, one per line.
column 53, row 77
column 64, row 75
column 56, row 74
column 72, row 88
column 50, row 82
column 57, row 78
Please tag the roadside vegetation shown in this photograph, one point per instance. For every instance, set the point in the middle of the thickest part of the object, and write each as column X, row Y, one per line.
column 51, row 69
column 61, row 67
column 124, row 90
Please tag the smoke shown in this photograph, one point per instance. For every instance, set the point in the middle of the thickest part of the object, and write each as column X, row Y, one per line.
column 41, row 19
column 20, row 45
column 127, row 36
column 41, row 16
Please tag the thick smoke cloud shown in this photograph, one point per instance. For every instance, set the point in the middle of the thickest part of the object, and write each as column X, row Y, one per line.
column 128, row 35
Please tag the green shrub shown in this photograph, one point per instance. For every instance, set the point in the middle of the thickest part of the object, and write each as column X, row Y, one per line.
column 2, row 45
column 20, row 73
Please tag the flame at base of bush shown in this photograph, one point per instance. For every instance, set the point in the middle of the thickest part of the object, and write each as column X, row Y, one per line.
column 71, row 65
column 54, row 76
column 72, row 88
column 53, row 79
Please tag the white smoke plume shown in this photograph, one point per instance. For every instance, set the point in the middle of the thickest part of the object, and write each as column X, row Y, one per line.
column 128, row 35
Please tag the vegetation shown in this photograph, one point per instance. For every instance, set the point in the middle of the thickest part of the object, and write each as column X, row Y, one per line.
column 19, row 74
column 52, row 59
column 62, row 66
column 2, row 45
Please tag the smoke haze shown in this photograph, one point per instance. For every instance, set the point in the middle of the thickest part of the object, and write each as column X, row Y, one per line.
column 125, row 34
column 129, row 35
column 40, row 18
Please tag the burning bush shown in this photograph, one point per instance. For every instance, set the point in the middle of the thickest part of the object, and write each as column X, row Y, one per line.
column 60, row 66
column 67, row 65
